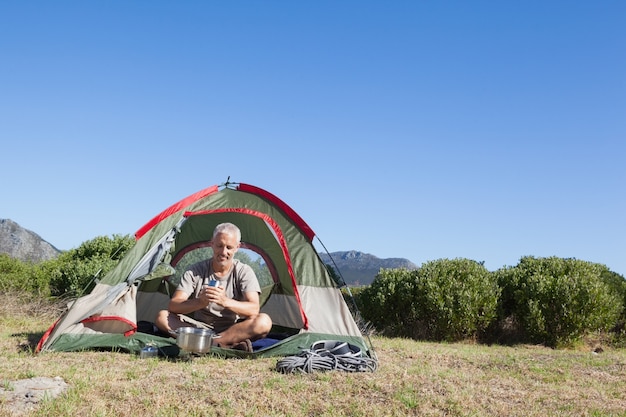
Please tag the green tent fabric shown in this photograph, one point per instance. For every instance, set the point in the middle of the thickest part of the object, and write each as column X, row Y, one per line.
column 303, row 300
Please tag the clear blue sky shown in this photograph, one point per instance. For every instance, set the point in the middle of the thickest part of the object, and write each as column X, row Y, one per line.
column 413, row 129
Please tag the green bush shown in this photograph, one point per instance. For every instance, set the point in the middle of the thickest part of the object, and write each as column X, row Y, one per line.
column 16, row 275
column 73, row 272
column 617, row 284
column 457, row 299
column 443, row 300
column 556, row 300
column 387, row 302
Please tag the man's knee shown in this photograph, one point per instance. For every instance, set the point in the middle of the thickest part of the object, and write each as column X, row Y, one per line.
column 263, row 324
column 162, row 316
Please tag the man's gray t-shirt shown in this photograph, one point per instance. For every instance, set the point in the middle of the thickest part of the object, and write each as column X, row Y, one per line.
column 240, row 280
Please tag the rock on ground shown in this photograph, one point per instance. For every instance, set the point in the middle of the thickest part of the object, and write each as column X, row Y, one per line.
column 22, row 396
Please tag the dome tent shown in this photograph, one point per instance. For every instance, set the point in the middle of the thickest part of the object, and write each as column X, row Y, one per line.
column 302, row 298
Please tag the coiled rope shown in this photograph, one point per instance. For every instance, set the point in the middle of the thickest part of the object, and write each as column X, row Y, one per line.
column 328, row 355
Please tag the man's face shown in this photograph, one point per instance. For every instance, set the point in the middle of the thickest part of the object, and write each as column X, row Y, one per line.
column 224, row 247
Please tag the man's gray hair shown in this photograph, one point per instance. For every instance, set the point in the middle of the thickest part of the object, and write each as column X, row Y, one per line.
column 228, row 228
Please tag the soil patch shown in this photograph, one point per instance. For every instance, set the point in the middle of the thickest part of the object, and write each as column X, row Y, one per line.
column 22, row 396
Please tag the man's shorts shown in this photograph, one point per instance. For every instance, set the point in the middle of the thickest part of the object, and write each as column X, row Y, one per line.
column 177, row 321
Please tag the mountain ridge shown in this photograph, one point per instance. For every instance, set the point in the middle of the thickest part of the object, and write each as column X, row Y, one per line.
column 24, row 244
column 360, row 268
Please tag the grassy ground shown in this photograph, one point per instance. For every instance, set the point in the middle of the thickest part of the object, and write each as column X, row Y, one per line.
column 413, row 378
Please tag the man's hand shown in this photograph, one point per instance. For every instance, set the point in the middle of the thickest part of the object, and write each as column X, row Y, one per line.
column 214, row 295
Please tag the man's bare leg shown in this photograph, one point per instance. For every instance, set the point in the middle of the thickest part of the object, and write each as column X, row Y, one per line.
column 253, row 328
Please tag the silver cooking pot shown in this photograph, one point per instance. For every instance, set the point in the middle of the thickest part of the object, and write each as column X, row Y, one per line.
column 194, row 340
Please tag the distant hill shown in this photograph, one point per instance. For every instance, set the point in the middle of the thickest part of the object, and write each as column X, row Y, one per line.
column 22, row 244
column 358, row 268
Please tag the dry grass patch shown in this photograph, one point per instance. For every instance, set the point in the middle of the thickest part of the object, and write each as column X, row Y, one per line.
column 413, row 378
